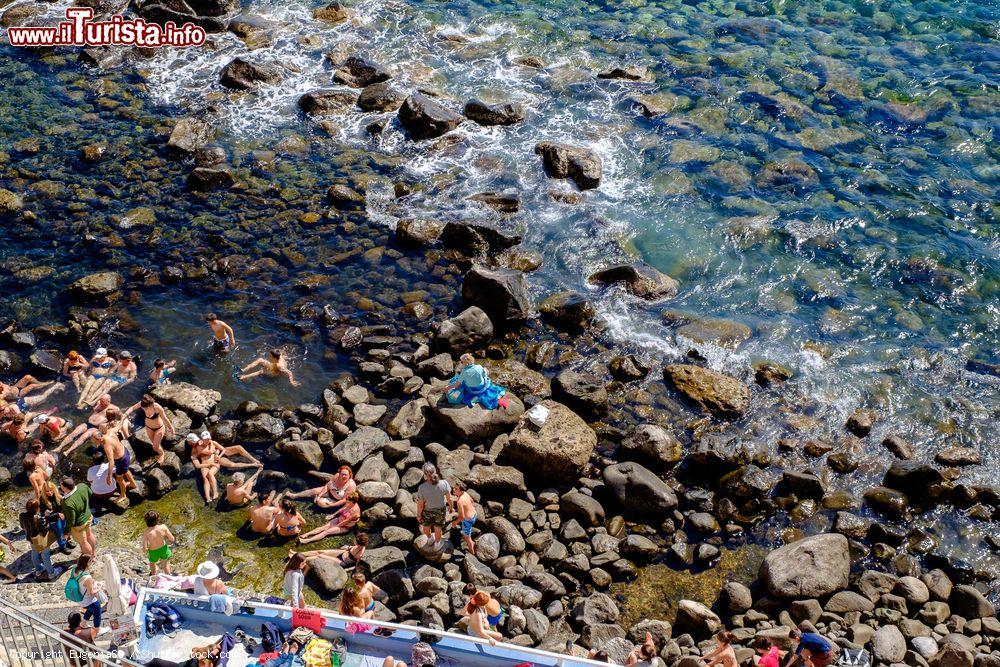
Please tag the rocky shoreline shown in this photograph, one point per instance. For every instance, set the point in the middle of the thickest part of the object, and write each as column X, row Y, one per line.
column 577, row 506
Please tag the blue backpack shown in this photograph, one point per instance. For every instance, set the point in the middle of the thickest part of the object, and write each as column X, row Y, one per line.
column 72, row 589
column 161, row 616
column 271, row 638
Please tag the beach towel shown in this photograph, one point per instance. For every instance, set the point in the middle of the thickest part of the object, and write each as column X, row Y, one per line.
column 317, row 653
column 475, row 386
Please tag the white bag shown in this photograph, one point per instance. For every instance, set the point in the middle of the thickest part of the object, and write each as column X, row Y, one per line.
column 537, row 415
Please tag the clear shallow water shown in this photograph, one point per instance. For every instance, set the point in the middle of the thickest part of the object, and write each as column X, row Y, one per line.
column 874, row 275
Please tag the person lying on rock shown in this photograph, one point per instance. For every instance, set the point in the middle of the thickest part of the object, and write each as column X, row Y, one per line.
column 472, row 385
column 643, row 655
column 333, row 493
column 18, row 392
column 87, row 430
column 346, row 557
column 342, row 522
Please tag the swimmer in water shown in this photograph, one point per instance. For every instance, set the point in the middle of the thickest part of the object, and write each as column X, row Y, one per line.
column 223, row 338
column 274, row 366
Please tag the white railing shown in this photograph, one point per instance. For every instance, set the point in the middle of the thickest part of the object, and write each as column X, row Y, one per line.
column 28, row 641
column 560, row 659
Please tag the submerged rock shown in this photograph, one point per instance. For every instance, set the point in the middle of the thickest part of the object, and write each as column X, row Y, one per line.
column 425, row 118
column 10, row 202
column 723, row 396
column 507, row 113
column 582, row 165
column 639, row 280
column 359, row 73
column 188, row 135
column 380, row 97
column 716, row 331
column 96, row 286
column 627, row 73
column 319, row 102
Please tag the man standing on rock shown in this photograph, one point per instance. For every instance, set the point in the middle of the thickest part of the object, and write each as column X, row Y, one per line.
column 466, row 515
column 223, row 338
column 812, row 650
column 434, row 501
column 76, row 509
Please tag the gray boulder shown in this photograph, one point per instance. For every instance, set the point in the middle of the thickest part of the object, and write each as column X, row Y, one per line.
column 639, row 280
column 639, row 489
column 307, row 453
column 327, row 577
column 500, row 293
column 477, row 423
column 358, row 446
column 507, row 113
column 469, row 330
column 582, row 165
column 720, row 395
column 189, row 135
column 888, row 645
column 196, row 402
column 96, row 286
column 651, row 444
column 809, row 568
column 696, row 619
column 240, row 74
column 558, row 450
column 584, row 393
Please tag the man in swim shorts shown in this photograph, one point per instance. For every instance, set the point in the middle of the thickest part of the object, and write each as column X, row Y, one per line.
column 466, row 514
column 156, row 540
column 223, row 338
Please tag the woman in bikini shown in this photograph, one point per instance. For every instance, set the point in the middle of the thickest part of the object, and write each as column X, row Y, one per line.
column 206, row 461
column 342, row 522
column 52, row 428
column 75, row 368
column 484, row 614
column 88, row 430
column 99, row 368
column 121, row 374
column 18, row 428
column 288, row 522
column 156, row 421
column 37, row 475
column 346, row 557
column 367, row 591
column 334, row 492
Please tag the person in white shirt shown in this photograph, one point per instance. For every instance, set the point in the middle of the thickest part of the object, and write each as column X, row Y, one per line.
column 97, row 477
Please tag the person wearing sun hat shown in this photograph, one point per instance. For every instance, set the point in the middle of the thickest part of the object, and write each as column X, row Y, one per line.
column 207, row 581
column 206, row 443
column 206, row 460
column 99, row 368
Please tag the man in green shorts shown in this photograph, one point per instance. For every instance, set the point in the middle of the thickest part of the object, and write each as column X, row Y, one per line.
column 156, row 540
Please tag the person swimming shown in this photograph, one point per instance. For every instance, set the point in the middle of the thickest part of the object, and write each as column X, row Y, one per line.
column 162, row 370
column 223, row 337
column 274, row 365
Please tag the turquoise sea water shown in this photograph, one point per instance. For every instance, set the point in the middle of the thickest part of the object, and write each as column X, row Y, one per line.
column 826, row 173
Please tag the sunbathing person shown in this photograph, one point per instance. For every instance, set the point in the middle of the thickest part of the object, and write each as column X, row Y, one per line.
column 239, row 492
column 206, row 461
column 346, row 557
column 205, row 442
column 333, row 493
column 274, row 365
column 262, row 516
column 119, row 375
column 75, row 368
column 98, row 368
column 342, row 522
column 87, row 430
column 472, row 385
column 17, row 393
column 52, row 428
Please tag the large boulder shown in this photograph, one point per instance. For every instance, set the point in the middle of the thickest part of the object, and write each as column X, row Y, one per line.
column 888, row 645
column 410, row 421
column 639, row 489
column 969, row 603
column 584, row 393
column 469, row 330
column 810, row 568
column 306, row 453
column 567, row 310
column 722, row 396
column 559, row 450
column 477, row 423
column 240, row 74
column 188, row 135
column 582, row 165
column 383, row 558
column 507, row 113
column 320, row 102
column 10, row 202
column 360, row 73
column 196, row 402
column 261, row 428
column 358, row 446
column 640, row 280
column 652, row 444
column 96, row 286
column 423, row 118
column 500, row 293
column 696, row 619
column 477, row 238
column 518, row 378
column 327, row 577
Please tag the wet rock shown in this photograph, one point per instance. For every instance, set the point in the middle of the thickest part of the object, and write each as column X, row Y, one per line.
column 358, row 446
column 912, row 478
column 418, row 232
column 96, row 286
column 321, row 102
column 628, row 73
column 767, row 374
column 790, row 173
column 204, row 178
column 343, row 197
column 583, row 508
column 359, row 73
column 584, row 393
column 93, row 153
column 327, row 577
column 802, row 485
column 424, row 118
column 582, row 165
column 477, row 423
column 498, row 201
column 240, row 74
column 902, row 116
column 809, row 568
column 475, row 238
column 21, row 14
column 188, row 135
column 638, row 280
column 196, row 402
column 886, row 501
column 639, row 489
column 262, row 428
column 860, row 422
column 10, row 202
column 380, row 97
column 469, row 330
column 508, row 113
column 959, row 456
column 627, row 368
column 715, row 331
column 500, row 293
column 255, row 31
column 900, row 448
column 696, row 619
column 721, row 395
column 567, row 310
column 653, row 445
column 158, row 483
column 654, row 105
column 333, row 13
column 559, row 449
column 46, row 360
column 306, row 453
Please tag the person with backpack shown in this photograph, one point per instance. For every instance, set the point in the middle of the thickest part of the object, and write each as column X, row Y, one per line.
column 76, row 511
column 38, row 534
column 81, row 587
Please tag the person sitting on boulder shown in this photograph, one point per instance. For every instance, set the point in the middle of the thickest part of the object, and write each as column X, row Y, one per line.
column 723, row 654
column 642, row 655
column 472, row 385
